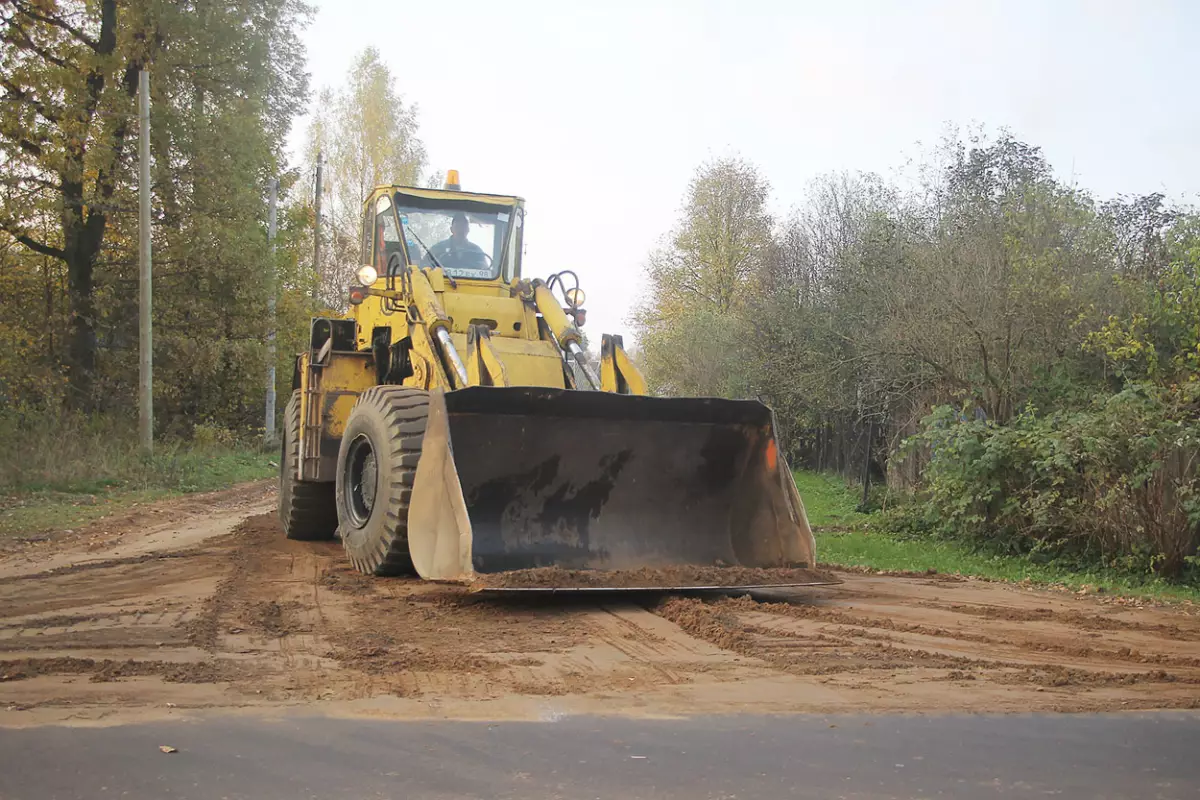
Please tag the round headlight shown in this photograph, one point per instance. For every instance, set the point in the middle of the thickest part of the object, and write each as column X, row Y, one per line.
column 366, row 275
column 575, row 297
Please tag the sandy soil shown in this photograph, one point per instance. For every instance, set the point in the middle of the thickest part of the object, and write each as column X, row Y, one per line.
column 201, row 606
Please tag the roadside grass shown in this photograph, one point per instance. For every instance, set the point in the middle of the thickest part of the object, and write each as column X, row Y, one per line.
column 828, row 501
column 58, row 473
column 848, row 538
column 70, row 505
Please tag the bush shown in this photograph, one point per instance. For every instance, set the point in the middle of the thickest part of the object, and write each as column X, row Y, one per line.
column 1115, row 483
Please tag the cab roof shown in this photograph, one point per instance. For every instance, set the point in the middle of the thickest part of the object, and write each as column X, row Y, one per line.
column 446, row 194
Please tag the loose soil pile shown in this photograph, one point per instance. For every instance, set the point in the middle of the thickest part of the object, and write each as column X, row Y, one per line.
column 652, row 578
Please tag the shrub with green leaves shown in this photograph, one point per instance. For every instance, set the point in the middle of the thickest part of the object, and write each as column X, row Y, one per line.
column 1116, row 483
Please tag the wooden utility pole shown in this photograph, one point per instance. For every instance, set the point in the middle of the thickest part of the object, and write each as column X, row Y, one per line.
column 317, row 233
column 145, row 334
column 269, row 419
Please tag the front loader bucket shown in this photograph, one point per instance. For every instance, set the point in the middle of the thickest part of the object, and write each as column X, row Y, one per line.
column 521, row 478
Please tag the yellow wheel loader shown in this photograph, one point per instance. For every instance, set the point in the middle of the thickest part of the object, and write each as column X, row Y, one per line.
column 454, row 426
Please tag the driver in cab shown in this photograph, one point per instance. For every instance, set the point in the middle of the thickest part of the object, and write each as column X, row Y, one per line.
column 458, row 252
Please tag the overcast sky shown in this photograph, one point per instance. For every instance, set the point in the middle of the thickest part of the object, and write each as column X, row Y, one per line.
column 598, row 113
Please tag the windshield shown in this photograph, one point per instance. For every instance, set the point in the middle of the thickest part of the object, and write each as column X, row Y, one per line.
column 466, row 244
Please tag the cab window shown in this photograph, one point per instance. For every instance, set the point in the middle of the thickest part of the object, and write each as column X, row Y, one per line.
column 388, row 249
column 512, row 258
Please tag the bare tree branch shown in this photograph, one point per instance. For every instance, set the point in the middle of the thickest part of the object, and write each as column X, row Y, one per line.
column 26, row 42
column 16, row 93
column 32, row 244
column 32, row 148
column 31, row 11
column 21, row 180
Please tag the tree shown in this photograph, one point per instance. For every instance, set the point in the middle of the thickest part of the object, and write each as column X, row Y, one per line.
column 871, row 303
column 1039, row 351
column 226, row 81
column 1159, row 340
column 1001, row 268
column 368, row 136
column 65, row 117
column 689, row 325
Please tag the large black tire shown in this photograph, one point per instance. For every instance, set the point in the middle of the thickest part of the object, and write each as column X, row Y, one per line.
column 307, row 510
column 381, row 446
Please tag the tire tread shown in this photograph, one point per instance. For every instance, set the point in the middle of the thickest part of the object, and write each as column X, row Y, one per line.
column 307, row 511
column 404, row 412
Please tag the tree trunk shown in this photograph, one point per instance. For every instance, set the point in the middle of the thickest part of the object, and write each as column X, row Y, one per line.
column 83, row 232
column 81, row 263
column 81, row 348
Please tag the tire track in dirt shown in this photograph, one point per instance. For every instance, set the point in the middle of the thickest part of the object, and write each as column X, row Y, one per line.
column 1076, row 619
column 812, row 640
column 145, row 529
column 246, row 618
column 860, row 624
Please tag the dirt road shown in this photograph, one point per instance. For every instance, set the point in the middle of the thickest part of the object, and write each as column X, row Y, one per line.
column 202, row 604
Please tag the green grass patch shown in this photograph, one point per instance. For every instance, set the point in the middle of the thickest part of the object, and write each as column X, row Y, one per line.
column 61, row 470
column 43, row 511
column 828, row 501
column 848, row 538
column 175, row 469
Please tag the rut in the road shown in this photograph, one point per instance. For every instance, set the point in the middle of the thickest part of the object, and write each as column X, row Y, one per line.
column 251, row 618
column 827, row 641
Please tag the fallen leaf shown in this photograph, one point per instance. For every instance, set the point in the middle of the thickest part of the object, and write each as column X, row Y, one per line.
column 166, row 748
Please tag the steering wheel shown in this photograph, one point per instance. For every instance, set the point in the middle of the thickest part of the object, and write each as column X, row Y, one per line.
column 452, row 254
column 485, row 255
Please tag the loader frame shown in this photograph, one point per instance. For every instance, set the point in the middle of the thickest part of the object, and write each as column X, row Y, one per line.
column 460, row 417
column 330, row 375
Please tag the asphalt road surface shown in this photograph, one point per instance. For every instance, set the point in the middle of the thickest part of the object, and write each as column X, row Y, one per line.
column 1088, row 756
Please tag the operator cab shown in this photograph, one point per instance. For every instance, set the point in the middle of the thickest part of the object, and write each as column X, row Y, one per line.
column 469, row 236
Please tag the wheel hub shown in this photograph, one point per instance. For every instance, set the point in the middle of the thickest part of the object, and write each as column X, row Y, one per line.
column 361, row 481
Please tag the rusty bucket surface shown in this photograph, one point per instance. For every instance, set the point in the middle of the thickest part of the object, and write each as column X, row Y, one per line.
column 518, row 478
